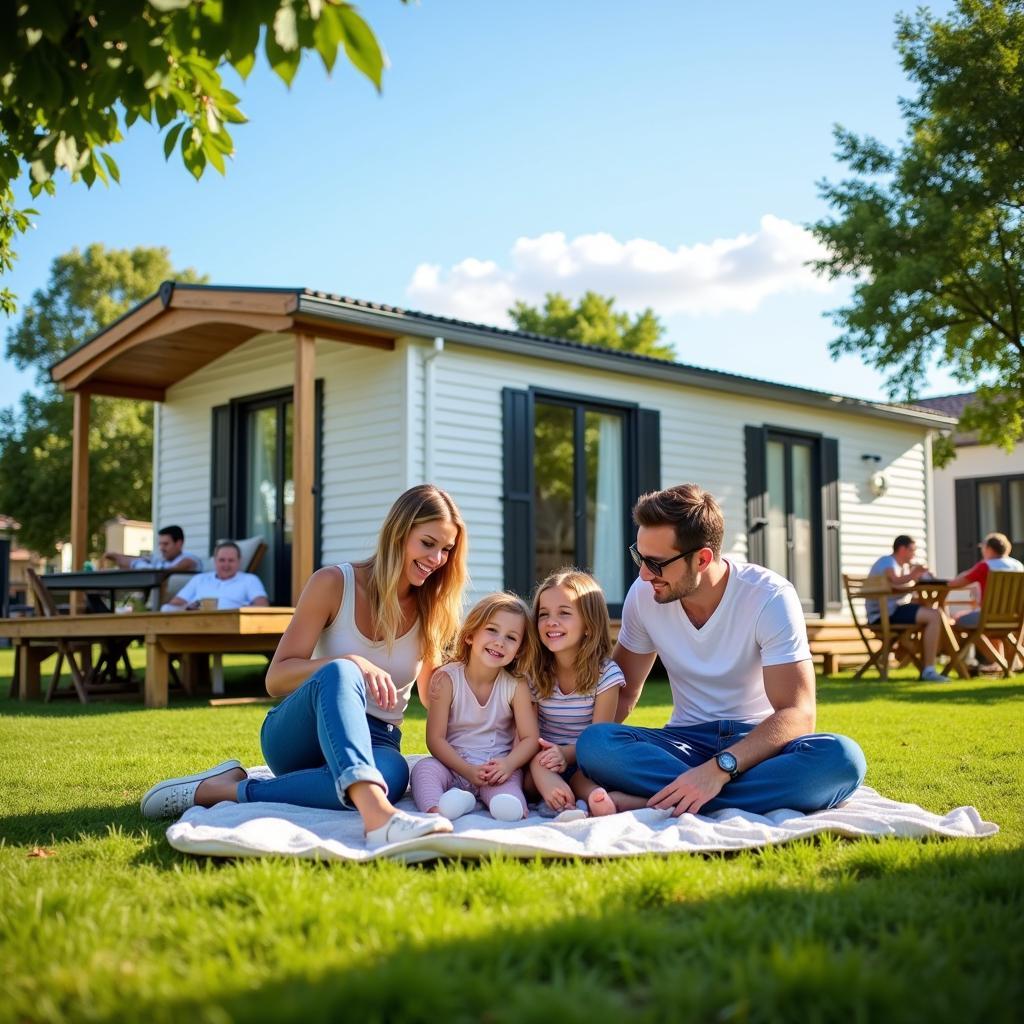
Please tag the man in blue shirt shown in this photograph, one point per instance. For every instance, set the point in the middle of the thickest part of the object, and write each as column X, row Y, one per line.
column 902, row 574
column 171, row 542
column 230, row 588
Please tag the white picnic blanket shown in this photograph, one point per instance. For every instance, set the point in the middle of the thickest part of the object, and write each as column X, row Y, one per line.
column 265, row 829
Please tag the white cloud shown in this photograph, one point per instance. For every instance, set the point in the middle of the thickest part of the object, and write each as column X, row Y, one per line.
column 726, row 274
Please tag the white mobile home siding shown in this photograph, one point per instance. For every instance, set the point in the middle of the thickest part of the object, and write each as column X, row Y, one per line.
column 979, row 460
column 701, row 440
column 377, row 441
column 363, row 463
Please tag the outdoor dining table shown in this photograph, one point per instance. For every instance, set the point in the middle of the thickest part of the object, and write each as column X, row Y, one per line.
column 109, row 581
column 200, row 633
column 933, row 594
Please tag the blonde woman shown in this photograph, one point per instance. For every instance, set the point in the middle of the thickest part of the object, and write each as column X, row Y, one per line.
column 362, row 634
column 575, row 684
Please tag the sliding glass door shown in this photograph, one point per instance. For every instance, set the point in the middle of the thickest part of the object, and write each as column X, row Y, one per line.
column 268, row 490
column 580, row 492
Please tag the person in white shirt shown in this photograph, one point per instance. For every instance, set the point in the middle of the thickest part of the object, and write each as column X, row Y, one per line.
column 171, row 544
column 231, row 588
column 903, row 574
column 733, row 641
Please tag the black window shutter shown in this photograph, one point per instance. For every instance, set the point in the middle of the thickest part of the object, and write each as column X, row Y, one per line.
column 831, row 559
column 757, row 493
column 318, row 462
column 220, row 475
column 966, row 498
column 648, row 460
column 517, row 425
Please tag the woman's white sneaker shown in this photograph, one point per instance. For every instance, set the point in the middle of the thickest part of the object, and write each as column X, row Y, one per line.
column 172, row 797
column 402, row 826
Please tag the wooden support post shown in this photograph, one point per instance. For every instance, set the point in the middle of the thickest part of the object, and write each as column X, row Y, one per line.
column 303, row 461
column 28, row 659
column 157, row 671
column 79, row 491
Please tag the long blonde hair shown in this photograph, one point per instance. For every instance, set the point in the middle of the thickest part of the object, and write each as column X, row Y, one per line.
column 596, row 646
column 439, row 599
column 481, row 613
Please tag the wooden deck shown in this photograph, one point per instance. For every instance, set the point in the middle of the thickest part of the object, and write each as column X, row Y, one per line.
column 238, row 631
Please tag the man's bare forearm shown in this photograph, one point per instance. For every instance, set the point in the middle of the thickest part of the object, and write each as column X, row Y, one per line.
column 769, row 737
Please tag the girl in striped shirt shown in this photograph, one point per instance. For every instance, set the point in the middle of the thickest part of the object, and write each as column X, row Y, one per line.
column 574, row 684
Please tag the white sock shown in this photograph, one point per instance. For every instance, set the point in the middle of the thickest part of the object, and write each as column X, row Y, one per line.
column 505, row 807
column 454, row 803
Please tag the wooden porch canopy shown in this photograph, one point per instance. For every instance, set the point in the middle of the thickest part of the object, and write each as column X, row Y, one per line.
column 181, row 329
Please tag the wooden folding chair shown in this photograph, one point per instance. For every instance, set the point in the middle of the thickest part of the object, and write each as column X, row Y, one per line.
column 66, row 649
column 880, row 638
column 1001, row 618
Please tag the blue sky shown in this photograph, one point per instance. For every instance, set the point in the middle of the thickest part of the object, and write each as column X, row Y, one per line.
column 663, row 152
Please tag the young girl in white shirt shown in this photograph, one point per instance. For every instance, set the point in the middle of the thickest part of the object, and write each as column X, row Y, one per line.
column 481, row 724
column 574, row 683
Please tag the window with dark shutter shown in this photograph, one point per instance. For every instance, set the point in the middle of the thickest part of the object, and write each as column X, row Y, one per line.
column 832, row 565
column 573, row 468
column 221, row 483
column 793, row 511
column 517, row 499
column 757, row 497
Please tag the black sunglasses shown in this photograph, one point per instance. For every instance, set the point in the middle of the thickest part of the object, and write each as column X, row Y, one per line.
column 653, row 566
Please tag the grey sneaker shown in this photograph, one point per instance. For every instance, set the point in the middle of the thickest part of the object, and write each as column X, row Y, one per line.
column 172, row 797
column 933, row 675
column 402, row 826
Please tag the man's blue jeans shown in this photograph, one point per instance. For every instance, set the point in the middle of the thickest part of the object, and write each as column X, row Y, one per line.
column 319, row 740
column 809, row 773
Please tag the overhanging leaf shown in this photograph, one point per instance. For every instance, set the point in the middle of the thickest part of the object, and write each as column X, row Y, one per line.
column 361, row 45
column 171, row 138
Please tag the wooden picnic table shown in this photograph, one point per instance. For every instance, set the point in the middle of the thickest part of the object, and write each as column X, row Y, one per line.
column 109, row 581
column 235, row 631
column 933, row 594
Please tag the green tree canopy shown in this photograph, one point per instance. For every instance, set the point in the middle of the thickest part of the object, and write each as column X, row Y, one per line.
column 75, row 75
column 933, row 231
column 86, row 291
column 593, row 321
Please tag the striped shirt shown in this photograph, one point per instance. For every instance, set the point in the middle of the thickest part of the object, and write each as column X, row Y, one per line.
column 563, row 716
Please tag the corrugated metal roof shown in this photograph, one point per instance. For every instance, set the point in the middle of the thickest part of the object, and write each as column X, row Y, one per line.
column 791, row 391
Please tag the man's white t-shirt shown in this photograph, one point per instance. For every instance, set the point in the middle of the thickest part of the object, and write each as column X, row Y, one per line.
column 716, row 671
column 238, row 592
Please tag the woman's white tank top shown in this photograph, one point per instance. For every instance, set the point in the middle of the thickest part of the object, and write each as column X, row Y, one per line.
column 343, row 637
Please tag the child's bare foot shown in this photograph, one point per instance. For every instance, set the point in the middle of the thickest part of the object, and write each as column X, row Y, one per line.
column 601, row 803
column 553, row 791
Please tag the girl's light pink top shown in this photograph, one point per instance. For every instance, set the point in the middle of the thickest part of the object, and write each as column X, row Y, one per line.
column 480, row 732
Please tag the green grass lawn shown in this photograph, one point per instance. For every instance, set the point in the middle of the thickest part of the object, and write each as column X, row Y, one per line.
column 113, row 925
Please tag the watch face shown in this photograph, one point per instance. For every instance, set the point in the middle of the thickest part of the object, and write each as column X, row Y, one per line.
column 727, row 762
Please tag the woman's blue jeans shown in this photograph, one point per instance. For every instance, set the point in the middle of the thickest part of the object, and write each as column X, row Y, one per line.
column 809, row 774
column 319, row 740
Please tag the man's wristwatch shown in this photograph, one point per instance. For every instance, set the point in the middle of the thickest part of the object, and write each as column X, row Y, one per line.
column 728, row 763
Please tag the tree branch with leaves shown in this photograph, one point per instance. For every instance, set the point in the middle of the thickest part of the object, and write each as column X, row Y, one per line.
column 75, row 76
column 932, row 232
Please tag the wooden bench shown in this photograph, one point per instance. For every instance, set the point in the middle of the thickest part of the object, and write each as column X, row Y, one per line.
column 834, row 642
column 241, row 630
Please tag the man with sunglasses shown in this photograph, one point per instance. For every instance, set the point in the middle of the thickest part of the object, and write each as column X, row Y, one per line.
column 733, row 641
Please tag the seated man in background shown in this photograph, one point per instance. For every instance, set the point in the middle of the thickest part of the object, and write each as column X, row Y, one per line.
column 171, row 542
column 995, row 557
column 903, row 573
column 230, row 588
